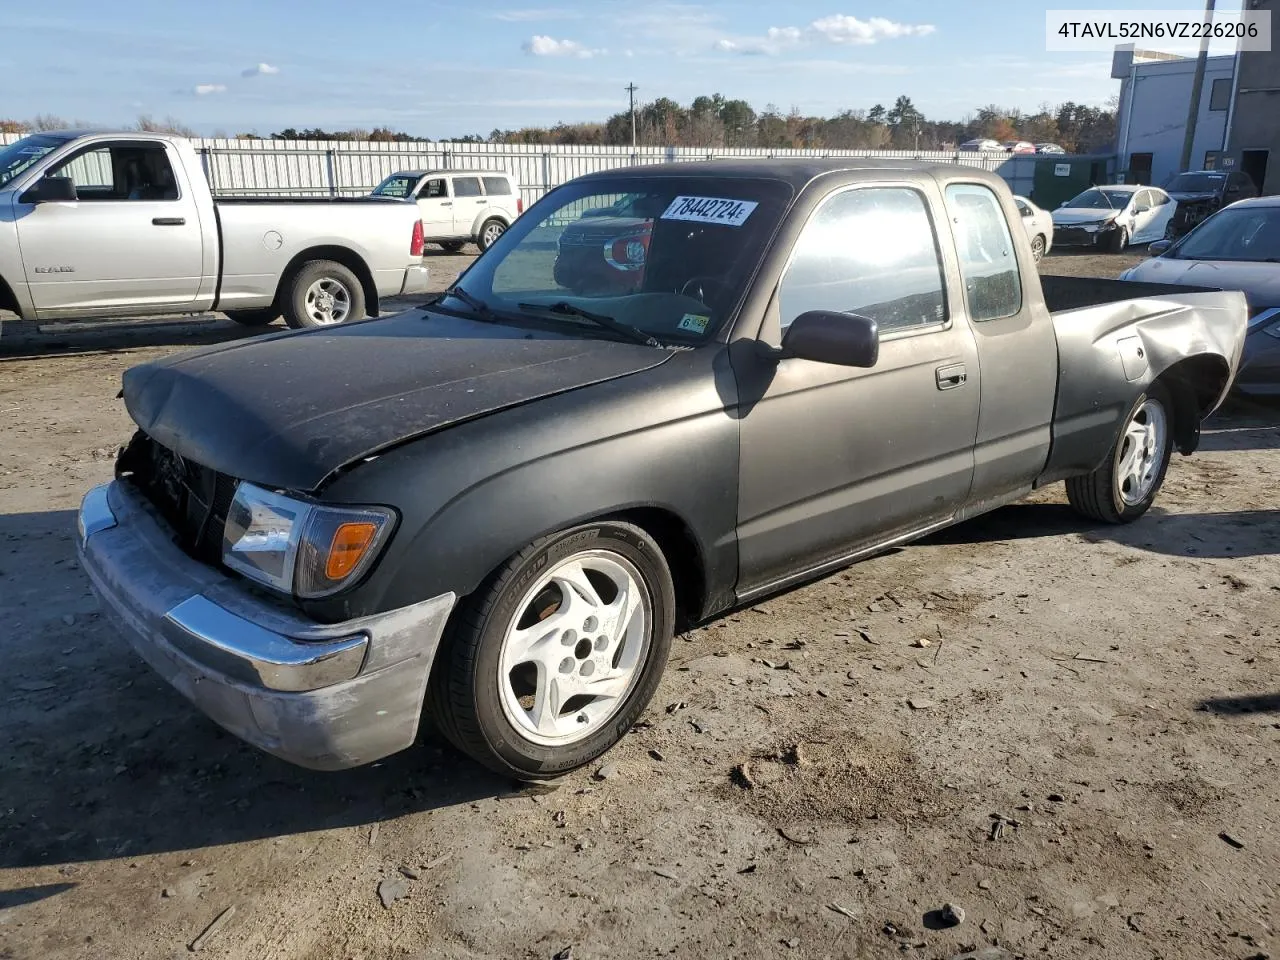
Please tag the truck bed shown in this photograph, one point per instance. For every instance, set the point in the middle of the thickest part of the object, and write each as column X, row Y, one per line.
column 1074, row 293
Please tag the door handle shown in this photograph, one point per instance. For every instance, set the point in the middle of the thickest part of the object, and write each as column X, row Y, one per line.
column 168, row 221
column 951, row 376
column 446, row 203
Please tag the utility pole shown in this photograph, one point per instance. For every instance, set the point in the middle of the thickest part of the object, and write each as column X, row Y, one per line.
column 1193, row 112
column 631, row 90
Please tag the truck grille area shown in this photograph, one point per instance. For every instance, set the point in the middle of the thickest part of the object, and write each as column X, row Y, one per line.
column 191, row 498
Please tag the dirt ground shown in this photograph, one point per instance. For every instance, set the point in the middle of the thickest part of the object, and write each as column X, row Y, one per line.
column 1067, row 731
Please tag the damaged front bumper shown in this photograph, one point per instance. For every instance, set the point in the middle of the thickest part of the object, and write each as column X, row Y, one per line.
column 324, row 696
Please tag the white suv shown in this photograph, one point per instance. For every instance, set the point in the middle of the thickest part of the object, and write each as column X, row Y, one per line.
column 458, row 205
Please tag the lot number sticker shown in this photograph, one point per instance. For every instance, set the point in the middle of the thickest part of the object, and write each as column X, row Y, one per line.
column 732, row 213
column 694, row 322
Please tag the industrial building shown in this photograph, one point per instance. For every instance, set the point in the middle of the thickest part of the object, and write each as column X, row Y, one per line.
column 1238, row 122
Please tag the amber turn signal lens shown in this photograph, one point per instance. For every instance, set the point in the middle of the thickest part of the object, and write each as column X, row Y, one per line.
column 350, row 541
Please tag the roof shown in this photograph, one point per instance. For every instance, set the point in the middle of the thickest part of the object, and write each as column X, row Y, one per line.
column 797, row 171
column 453, row 172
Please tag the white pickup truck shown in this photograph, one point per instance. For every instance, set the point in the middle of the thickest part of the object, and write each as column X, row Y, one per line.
column 124, row 224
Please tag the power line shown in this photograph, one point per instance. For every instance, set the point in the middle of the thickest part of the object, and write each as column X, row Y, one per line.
column 631, row 89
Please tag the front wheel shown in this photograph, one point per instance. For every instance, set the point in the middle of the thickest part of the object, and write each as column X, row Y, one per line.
column 322, row 294
column 1037, row 248
column 1118, row 240
column 452, row 246
column 553, row 660
column 490, row 231
column 1123, row 488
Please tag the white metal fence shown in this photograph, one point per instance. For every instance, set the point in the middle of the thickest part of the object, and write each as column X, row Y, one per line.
column 303, row 168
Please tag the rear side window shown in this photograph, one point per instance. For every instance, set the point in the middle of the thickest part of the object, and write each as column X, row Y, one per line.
column 871, row 252
column 497, row 187
column 466, row 186
column 988, row 265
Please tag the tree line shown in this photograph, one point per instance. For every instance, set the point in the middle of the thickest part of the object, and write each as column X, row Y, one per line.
column 717, row 121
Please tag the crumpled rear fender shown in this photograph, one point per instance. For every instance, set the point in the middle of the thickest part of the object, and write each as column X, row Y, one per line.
column 1111, row 353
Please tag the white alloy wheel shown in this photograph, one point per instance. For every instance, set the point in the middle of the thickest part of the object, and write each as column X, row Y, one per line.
column 575, row 648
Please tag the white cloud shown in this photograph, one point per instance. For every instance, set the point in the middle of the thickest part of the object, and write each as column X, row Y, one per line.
column 530, row 16
column 204, row 89
column 837, row 28
column 261, row 70
column 542, row 46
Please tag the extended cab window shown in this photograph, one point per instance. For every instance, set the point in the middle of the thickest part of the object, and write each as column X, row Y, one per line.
column 497, row 187
column 988, row 265
column 871, row 252
column 466, row 186
column 121, row 173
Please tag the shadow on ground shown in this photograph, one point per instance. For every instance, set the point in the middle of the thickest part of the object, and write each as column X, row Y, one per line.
column 1245, row 703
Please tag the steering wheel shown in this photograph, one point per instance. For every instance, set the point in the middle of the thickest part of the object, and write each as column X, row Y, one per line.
column 701, row 288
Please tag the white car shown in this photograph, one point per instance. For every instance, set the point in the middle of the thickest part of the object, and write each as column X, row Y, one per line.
column 458, row 206
column 981, row 146
column 1038, row 224
column 1113, row 217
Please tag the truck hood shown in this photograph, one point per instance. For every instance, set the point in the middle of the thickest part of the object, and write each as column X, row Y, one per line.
column 287, row 410
column 1260, row 282
column 1065, row 216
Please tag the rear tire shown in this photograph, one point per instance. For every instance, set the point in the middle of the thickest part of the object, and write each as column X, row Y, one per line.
column 490, row 231
column 254, row 318
column 1125, row 486
column 452, row 246
column 323, row 294
column 553, row 659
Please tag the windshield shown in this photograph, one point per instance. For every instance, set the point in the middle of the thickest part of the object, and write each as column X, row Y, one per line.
column 1196, row 183
column 399, row 185
column 1101, row 199
column 671, row 258
column 17, row 157
column 1250, row 233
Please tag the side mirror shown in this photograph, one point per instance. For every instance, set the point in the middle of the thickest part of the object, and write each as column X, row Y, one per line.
column 50, row 190
column 827, row 336
column 1159, row 247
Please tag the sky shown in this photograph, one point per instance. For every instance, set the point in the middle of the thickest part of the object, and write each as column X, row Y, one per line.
column 447, row 68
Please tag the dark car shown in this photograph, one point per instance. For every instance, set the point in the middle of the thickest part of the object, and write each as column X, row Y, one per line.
column 605, row 250
column 500, row 507
column 1235, row 249
column 1202, row 192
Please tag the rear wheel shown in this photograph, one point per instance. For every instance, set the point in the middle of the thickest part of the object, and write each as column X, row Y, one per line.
column 323, row 293
column 490, row 231
column 452, row 246
column 1125, row 486
column 1037, row 248
column 552, row 661
column 254, row 318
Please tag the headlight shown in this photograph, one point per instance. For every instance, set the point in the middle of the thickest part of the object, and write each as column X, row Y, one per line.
column 295, row 546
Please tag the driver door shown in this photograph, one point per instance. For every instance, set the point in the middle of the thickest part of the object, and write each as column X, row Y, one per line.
column 836, row 458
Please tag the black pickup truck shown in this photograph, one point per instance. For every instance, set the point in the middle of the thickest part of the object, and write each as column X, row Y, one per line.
column 500, row 507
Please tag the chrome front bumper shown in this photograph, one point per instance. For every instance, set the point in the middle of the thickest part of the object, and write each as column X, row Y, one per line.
column 325, row 696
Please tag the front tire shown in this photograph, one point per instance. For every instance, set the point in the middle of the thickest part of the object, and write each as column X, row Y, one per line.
column 1125, row 486
column 1118, row 240
column 452, row 246
column 490, row 231
column 555, row 657
column 254, row 318
column 323, row 294
column 1037, row 248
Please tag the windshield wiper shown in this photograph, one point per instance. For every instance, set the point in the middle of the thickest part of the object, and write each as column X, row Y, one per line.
column 634, row 334
column 482, row 309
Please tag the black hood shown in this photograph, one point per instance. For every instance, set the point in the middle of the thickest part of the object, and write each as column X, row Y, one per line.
column 1201, row 197
column 286, row 411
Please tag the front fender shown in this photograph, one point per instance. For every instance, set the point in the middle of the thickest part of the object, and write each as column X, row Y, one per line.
column 1110, row 354
column 663, row 442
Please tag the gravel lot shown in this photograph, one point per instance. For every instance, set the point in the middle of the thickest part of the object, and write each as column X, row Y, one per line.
column 1070, row 732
